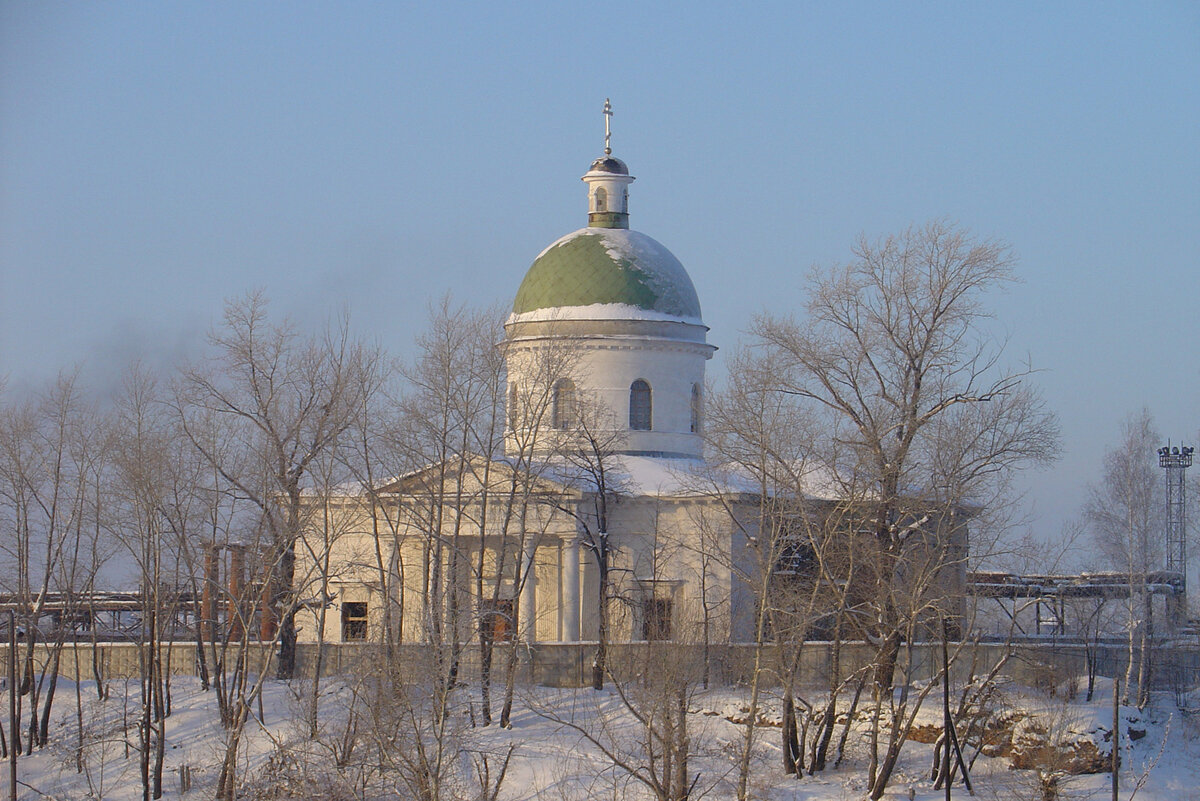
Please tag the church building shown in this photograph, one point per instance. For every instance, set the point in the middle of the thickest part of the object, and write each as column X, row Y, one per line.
column 602, row 482
column 600, row 518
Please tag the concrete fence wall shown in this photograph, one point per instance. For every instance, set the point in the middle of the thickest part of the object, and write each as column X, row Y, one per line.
column 569, row 664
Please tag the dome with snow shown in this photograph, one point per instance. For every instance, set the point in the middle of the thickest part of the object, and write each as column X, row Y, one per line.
column 617, row 314
column 611, row 164
column 614, row 269
column 606, row 271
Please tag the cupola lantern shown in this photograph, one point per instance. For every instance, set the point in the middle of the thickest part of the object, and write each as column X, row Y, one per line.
column 608, row 182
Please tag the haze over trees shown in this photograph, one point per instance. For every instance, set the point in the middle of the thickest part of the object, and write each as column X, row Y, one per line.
column 876, row 427
column 278, row 401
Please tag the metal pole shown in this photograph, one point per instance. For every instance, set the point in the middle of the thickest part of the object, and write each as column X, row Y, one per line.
column 947, row 722
column 12, row 705
column 1116, row 738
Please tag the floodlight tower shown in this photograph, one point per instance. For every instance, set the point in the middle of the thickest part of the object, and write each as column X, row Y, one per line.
column 1176, row 460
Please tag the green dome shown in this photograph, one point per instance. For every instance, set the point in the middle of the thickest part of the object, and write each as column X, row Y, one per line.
column 608, row 266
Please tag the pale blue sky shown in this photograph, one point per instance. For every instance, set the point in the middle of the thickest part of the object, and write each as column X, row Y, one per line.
column 156, row 158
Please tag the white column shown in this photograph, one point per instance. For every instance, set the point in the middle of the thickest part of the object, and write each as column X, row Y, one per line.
column 570, row 583
column 528, row 598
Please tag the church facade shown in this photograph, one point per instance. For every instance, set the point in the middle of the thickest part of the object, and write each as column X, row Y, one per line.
column 602, row 492
column 602, row 519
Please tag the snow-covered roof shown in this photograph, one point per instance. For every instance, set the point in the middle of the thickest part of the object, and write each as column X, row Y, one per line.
column 599, row 311
column 642, row 476
column 665, row 477
column 608, row 266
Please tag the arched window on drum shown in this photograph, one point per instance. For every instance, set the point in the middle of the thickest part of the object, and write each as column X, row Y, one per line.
column 640, row 406
column 564, row 413
column 697, row 408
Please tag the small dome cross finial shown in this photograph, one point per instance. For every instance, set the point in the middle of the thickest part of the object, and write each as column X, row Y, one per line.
column 608, row 112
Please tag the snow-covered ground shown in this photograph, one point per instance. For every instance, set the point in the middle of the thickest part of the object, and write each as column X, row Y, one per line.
column 550, row 759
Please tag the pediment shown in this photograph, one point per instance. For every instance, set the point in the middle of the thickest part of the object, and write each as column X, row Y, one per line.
column 471, row 477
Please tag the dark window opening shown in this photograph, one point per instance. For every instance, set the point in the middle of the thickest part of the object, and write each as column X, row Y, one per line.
column 640, row 406
column 656, row 619
column 564, row 404
column 354, row 620
column 795, row 557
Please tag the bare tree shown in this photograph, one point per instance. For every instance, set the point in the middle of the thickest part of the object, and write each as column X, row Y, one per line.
column 1125, row 513
column 895, row 360
column 525, row 499
column 655, row 752
column 763, row 436
column 454, row 411
column 381, row 739
column 137, row 502
column 327, row 561
column 50, row 463
column 590, row 451
column 800, row 552
column 286, row 398
column 372, row 459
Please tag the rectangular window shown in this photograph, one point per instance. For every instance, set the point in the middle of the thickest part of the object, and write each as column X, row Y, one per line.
column 795, row 557
column 354, row 620
column 656, row 619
